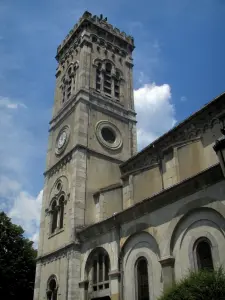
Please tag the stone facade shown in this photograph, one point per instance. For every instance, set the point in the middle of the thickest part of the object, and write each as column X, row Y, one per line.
column 117, row 224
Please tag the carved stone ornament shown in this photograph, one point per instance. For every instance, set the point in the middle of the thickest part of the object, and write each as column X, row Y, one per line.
column 62, row 140
column 108, row 135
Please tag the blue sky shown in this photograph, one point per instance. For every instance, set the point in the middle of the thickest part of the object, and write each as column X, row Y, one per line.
column 179, row 66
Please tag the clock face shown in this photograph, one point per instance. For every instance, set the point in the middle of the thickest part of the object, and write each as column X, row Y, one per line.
column 62, row 140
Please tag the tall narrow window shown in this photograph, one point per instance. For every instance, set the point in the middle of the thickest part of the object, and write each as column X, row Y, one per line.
column 98, row 77
column 117, row 86
column 108, row 79
column 61, row 207
column 52, row 290
column 54, row 216
column 204, row 255
column 142, row 279
column 67, row 82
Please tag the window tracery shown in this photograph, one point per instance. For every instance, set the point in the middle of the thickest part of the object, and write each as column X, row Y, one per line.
column 57, row 207
column 98, row 271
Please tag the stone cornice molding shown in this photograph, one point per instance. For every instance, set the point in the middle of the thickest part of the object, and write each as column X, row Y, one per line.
column 191, row 128
column 166, row 196
column 67, row 250
column 68, row 156
column 99, row 102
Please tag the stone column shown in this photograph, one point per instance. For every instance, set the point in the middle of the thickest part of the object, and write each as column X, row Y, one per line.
column 167, row 264
column 115, row 284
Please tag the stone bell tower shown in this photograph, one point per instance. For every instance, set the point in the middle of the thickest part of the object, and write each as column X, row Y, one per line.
column 92, row 131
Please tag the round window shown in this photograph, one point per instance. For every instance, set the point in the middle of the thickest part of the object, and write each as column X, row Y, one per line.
column 108, row 135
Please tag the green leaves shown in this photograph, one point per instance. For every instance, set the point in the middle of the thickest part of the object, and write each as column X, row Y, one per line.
column 201, row 285
column 17, row 262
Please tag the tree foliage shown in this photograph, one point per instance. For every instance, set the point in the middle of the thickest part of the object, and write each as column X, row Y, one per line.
column 17, row 262
column 201, row 285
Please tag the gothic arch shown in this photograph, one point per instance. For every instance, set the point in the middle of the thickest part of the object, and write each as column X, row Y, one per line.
column 183, row 212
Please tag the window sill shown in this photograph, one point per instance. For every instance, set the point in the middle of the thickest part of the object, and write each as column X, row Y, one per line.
column 56, row 232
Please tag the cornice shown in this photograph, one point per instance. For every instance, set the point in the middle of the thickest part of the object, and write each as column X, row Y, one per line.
column 69, row 155
column 64, row 251
column 190, row 129
column 95, row 100
column 98, row 22
column 165, row 197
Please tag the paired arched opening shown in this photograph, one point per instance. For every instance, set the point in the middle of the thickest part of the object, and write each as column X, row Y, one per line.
column 57, row 211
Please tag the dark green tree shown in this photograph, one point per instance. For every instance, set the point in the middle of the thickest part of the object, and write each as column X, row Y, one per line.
column 17, row 262
column 205, row 285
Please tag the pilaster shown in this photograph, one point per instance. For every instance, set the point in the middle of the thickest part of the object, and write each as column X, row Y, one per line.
column 167, row 264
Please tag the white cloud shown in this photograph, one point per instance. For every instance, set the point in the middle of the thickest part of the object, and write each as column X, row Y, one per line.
column 25, row 211
column 155, row 112
column 7, row 103
column 18, row 150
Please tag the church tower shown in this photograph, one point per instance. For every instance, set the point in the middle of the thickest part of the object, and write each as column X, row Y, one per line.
column 92, row 131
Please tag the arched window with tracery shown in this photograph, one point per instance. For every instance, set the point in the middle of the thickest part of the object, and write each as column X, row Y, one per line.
column 204, row 254
column 54, row 211
column 97, row 272
column 142, row 279
column 68, row 82
column 52, row 289
column 108, row 80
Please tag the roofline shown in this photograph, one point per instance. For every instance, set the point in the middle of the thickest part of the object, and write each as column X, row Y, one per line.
column 205, row 107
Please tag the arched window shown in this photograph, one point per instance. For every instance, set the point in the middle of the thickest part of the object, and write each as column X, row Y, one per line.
column 204, row 255
column 97, row 270
column 67, row 82
column 100, row 271
column 61, row 211
column 54, row 211
column 52, row 289
column 142, row 279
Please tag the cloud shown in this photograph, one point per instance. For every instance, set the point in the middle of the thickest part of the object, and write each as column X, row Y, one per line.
column 25, row 211
column 155, row 112
column 7, row 103
column 18, row 151
column 183, row 99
